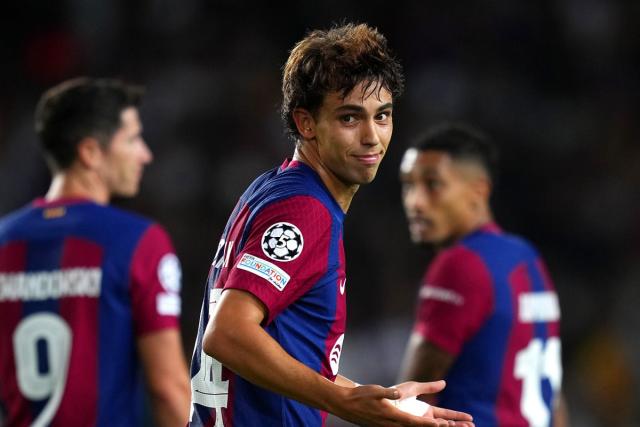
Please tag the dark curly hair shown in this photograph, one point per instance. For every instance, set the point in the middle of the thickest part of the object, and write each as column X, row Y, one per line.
column 337, row 60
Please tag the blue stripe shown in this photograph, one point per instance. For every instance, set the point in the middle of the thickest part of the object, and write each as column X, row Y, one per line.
column 119, row 376
column 493, row 337
column 541, row 330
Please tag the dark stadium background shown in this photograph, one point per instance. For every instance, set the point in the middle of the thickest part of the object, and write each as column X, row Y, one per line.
column 557, row 84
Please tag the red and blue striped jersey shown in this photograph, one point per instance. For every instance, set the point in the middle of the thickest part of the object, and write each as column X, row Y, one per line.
column 283, row 244
column 79, row 282
column 489, row 301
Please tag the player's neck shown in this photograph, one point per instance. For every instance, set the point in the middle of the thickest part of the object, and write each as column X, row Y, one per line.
column 484, row 218
column 77, row 185
column 341, row 192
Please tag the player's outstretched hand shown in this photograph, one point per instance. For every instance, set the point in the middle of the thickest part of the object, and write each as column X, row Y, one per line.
column 371, row 405
column 450, row 417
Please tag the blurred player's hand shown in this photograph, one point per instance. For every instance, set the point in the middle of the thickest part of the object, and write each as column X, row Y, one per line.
column 370, row 405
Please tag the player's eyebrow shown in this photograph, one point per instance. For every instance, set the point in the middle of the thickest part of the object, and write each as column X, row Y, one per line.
column 360, row 108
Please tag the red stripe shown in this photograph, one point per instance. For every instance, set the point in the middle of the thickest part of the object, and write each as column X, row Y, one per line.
column 553, row 328
column 81, row 313
column 80, row 253
column 339, row 324
column 13, row 258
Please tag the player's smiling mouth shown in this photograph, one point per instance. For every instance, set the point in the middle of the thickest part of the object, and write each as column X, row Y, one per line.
column 368, row 159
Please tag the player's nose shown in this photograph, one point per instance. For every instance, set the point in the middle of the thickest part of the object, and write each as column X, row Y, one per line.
column 368, row 133
column 416, row 200
column 146, row 155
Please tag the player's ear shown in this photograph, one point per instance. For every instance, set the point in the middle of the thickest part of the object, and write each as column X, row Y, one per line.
column 89, row 152
column 481, row 191
column 483, row 187
column 305, row 123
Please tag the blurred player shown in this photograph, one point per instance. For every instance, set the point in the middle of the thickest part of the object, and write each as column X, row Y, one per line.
column 273, row 318
column 88, row 292
column 488, row 316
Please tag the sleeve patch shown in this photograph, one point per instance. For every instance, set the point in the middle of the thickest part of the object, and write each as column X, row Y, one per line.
column 282, row 242
column 268, row 271
column 441, row 294
column 168, row 304
column 169, row 273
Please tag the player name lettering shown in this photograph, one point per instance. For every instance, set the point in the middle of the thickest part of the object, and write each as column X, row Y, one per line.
column 72, row 282
column 538, row 307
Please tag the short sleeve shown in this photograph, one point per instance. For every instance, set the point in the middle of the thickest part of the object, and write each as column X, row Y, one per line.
column 455, row 298
column 156, row 278
column 285, row 254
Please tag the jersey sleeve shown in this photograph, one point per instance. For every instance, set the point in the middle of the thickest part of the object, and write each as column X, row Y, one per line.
column 155, row 283
column 455, row 298
column 285, row 254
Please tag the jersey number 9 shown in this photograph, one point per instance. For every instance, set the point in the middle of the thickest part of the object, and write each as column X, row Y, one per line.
column 40, row 341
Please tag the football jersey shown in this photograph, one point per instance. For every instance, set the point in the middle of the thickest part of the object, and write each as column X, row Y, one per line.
column 79, row 282
column 489, row 301
column 283, row 244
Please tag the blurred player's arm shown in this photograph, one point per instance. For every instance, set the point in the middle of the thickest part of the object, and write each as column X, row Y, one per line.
column 155, row 299
column 234, row 336
column 423, row 361
column 166, row 376
column 561, row 412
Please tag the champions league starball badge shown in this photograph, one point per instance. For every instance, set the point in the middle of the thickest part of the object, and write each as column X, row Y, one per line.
column 282, row 242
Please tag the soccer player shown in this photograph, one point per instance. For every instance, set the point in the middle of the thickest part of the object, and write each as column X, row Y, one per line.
column 488, row 316
column 272, row 324
column 89, row 294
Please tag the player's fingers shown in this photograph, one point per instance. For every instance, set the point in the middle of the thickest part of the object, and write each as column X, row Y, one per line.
column 450, row 414
column 413, row 388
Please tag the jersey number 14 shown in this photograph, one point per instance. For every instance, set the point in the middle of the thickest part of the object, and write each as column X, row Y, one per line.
column 207, row 387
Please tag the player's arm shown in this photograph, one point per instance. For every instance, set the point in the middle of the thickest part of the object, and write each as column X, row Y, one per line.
column 165, row 372
column 345, row 382
column 234, row 336
column 155, row 300
column 454, row 301
column 561, row 412
column 424, row 361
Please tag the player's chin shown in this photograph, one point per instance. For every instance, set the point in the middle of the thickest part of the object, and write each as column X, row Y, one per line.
column 128, row 191
column 422, row 238
column 367, row 176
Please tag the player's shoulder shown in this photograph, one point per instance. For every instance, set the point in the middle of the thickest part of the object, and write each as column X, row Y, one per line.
column 460, row 268
column 12, row 224
column 296, row 190
column 492, row 240
column 122, row 216
column 122, row 221
column 456, row 256
column 14, row 216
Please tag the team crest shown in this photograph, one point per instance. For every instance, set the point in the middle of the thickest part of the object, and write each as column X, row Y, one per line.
column 282, row 242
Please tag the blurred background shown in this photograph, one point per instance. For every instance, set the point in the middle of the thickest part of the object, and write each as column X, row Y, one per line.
column 556, row 83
